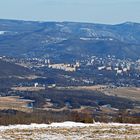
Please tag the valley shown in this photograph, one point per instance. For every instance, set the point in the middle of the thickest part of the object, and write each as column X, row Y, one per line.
column 67, row 71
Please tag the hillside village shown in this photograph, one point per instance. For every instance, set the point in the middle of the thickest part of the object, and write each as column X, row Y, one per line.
column 109, row 67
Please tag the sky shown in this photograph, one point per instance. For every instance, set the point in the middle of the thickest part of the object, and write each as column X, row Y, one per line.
column 93, row 11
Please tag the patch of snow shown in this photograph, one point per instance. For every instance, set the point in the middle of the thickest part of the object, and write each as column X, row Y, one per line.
column 90, row 32
column 110, row 39
column 95, row 38
column 53, row 40
column 3, row 32
column 34, row 126
column 70, row 124
column 70, row 130
column 85, row 39
column 59, row 25
column 67, row 124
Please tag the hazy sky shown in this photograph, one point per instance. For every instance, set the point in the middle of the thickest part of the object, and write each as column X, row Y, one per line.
column 97, row 11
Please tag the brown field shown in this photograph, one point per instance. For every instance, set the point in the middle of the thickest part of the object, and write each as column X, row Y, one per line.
column 91, row 88
column 28, row 88
column 132, row 93
column 14, row 103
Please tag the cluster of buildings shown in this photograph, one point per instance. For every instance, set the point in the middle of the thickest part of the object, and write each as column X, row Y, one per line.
column 110, row 63
column 118, row 70
column 38, row 63
column 65, row 67
column 36, row 85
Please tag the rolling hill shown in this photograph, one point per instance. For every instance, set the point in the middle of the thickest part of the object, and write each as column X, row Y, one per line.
column 10, row 74
column 68, row 39
column 8, row 69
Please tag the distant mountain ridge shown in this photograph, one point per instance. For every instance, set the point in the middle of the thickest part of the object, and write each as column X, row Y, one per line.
column 60, row 39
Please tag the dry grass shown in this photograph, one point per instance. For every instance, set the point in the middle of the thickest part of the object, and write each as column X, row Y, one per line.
column 94, row 132
column 125, row 92
column 14, row 103
column 28, row 88
column 90, row 88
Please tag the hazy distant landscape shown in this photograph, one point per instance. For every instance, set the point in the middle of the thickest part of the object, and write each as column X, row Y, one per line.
column 69, row 71
column 69, row 40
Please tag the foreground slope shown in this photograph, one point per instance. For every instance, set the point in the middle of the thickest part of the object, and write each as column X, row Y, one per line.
column 71, row 131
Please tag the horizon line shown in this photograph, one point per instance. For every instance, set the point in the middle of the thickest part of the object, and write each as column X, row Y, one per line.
column 70, row 21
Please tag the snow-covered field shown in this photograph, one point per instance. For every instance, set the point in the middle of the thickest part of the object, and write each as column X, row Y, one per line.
column 71, row 131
